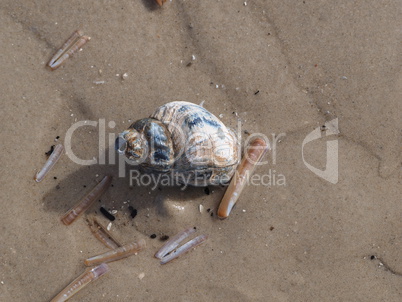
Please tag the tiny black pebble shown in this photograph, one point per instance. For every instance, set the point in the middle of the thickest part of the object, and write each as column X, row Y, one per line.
column 112, row 185
column 57, row 137
column 55, row 177
column 153, row 236
column 257, row 92
column 206, row 190
column 208, row 210
column 195, row 228
column 212, row 214
column 107, row 214
column 133, row 212
column 271, row 228
column 50, row 151
column 84, row 186
column 164, row 238
column 372, row 257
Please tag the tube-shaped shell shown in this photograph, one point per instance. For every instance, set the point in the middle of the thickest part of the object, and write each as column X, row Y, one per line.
column 117, row 254
column 71, row 46
column 173, row 242
column 253, row 155
column 89, row 275
column 184, row 248
column 85, row 203
column 52, row 160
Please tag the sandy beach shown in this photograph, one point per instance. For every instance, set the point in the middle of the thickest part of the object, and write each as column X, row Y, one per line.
column 321, row 79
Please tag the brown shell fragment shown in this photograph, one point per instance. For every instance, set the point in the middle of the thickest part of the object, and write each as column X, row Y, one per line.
column 102, row 234
column 160, row 2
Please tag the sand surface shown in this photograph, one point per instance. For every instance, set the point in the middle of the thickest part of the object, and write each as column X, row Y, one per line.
column 281, row 67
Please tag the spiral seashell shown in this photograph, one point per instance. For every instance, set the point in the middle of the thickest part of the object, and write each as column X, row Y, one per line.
column 183, row 139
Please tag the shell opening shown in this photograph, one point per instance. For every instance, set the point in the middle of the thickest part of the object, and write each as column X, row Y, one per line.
column 121, row 145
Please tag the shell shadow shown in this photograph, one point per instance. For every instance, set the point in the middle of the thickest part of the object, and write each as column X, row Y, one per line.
column 160, row 209
column 150, row 4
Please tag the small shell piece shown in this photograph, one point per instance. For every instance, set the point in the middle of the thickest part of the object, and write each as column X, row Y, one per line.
column 160, row 2
column 172, row 243
column 72, row 45
column 255, row 151
column 52, row 160
column 184, row 248
column 71, row 215
column 80, row 282
column 117, row 254
column 100, row 232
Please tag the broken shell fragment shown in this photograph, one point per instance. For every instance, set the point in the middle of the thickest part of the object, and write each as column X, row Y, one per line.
column 117, row 254
column 160, row 2
column 52, row 160
column 80, row 282
column 100, row 232
column 72, row 45
column 253, row 155
column 71, row 215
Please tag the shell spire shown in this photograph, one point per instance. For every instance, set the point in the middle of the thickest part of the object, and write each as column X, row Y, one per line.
column 186, row 140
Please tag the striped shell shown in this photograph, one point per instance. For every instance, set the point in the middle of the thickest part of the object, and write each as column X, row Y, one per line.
column 185, row 140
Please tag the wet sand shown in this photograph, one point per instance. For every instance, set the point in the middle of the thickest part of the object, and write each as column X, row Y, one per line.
column 281, row 68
